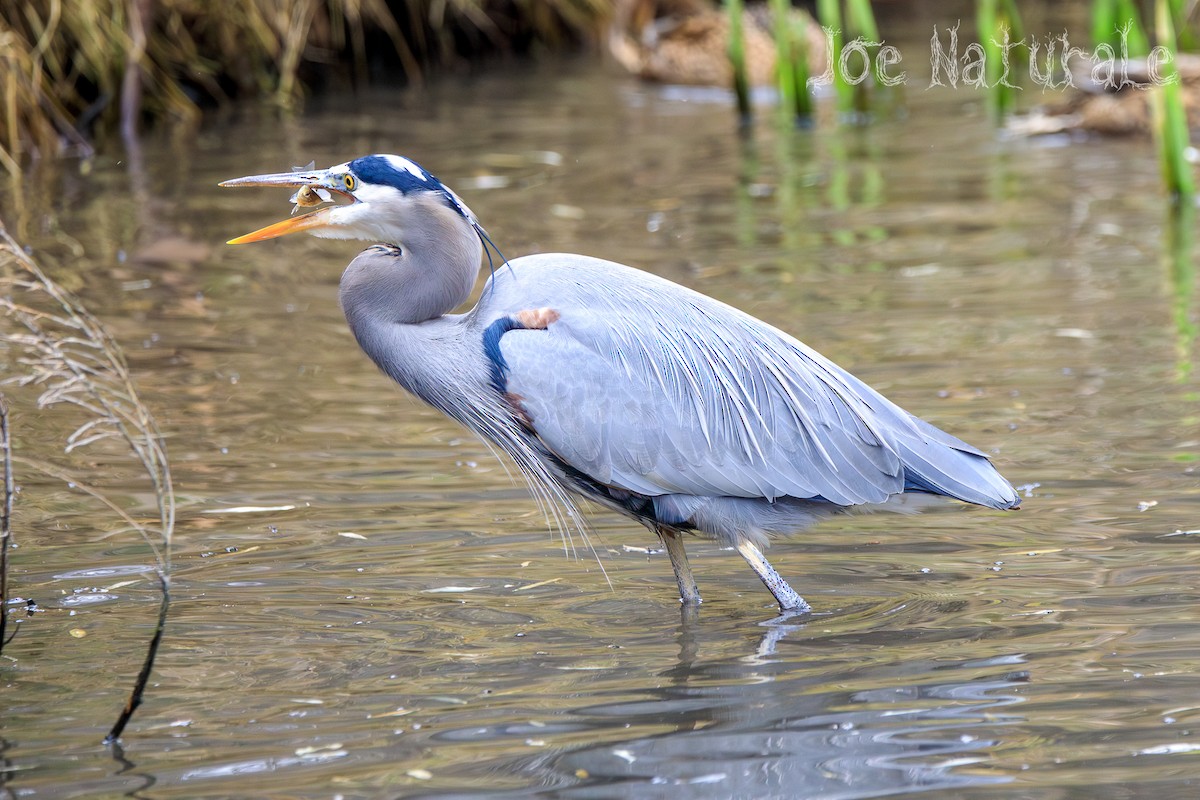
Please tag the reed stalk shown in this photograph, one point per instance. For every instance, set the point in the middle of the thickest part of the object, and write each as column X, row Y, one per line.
column 858, row 20
column 737, row 59
column 998, row 23
column 803, row 99
column 791, row 60
column 5, row 521
column 1180, row 266
column 1118, row 24
column 785, row 65
column 1104, row 16
column 72, row 361
column 1185, row 34
column 860, row 23
column 99, row 65
column 829, row 12
column 1169, row 117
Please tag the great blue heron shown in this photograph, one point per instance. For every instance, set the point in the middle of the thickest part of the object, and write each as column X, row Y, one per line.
column 596, row 378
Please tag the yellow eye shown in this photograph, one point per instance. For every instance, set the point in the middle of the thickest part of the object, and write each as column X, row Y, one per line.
column 350, row 183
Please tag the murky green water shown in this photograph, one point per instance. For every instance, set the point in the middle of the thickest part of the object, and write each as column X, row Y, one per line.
column 1021, row 294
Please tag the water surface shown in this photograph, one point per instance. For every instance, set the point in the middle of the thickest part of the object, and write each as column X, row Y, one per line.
column 1023, row 294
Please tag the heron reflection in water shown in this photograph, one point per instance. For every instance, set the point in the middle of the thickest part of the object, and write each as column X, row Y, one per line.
column 600, row 380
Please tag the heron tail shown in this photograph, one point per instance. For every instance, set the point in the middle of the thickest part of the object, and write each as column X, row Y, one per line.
column 938, row 463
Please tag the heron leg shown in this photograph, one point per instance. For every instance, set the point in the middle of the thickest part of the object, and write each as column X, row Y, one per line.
column 786, row 595
column 689, row 593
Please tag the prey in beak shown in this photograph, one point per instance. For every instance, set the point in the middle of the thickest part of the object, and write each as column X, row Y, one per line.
column 314, row 188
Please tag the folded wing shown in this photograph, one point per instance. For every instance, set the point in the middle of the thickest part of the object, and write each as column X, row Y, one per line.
column 665, row 391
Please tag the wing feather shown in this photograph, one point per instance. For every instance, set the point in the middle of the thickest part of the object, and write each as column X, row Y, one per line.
column 659, row 390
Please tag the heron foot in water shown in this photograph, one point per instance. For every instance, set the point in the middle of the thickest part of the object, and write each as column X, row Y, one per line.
column 689, row 593
column 788, row 599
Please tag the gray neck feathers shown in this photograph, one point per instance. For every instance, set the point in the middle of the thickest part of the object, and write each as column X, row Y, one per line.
column 428, row 271
column 395, row 297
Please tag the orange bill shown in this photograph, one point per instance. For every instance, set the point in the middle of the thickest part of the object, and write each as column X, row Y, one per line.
column 313, row 219
column 298, row 179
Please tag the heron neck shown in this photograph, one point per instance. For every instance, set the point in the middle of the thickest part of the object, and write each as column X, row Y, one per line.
column 427, row 271
column 397, row 298
column 423, row 357
column 430, row 280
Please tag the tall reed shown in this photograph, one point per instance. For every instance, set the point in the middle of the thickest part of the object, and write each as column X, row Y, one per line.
column 1169, row 117
column 851, row 20
column 71, row 65
column 829, row 13
column 998, row 23
column 1118, row 24
column 71, row 361
column 5, row 520
column 1185, row 34
column 1179, row 240
column 737, row 60
column 791, row 60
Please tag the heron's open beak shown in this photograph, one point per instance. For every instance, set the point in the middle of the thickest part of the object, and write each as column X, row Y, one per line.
column 299, row 180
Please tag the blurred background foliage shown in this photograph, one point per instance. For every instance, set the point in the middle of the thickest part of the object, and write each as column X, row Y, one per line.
column 72, row 68
column 73, row 71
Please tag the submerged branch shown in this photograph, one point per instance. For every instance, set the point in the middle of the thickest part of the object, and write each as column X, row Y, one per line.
column 139, row 685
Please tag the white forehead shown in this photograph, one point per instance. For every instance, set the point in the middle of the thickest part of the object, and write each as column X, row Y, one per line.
column 411, row 167
column 398, row 163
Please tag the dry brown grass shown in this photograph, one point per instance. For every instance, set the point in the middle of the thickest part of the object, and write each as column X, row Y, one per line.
column 78, row 65
column 56, row 350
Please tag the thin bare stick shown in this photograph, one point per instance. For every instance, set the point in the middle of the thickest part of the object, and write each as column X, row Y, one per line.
column 139, row 685
column 5, row 521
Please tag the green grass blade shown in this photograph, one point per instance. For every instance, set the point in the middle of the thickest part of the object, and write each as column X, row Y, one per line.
column 1170, row 119
column 737, row 59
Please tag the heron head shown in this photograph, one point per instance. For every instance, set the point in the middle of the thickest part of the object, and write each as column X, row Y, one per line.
column 373, row 197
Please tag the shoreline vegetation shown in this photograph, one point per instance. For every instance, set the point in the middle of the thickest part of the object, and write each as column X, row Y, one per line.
column 72, row 70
